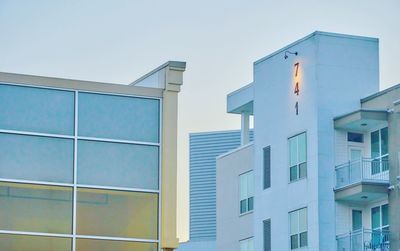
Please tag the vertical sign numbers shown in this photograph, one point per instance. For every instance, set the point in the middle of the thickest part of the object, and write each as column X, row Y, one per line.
column 296, row 85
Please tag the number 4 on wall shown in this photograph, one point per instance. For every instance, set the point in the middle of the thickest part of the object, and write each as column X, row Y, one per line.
column 297, row 89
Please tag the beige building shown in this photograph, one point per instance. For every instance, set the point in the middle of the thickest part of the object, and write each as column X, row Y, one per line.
column 87, row 165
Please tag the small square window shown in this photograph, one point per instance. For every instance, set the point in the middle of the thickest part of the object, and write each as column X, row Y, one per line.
column 294, row 240
column 293, row 173
column 243, row 206
column 303, row 239
column 303, row 170
column 250, row 203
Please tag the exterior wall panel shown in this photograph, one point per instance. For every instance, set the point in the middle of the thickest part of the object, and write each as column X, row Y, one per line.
column 204, row 148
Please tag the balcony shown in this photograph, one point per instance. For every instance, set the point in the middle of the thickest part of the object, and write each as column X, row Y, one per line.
column 364, row 240
column 362, row 181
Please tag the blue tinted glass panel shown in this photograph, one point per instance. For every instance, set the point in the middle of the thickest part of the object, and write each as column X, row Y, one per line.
column 385, row 215
column 357, row 219
column 115, row 164
column 117, row 117
column 36, row 158
column 36, row 110
column 384, row 141
column 375, row 217
column 375, row 153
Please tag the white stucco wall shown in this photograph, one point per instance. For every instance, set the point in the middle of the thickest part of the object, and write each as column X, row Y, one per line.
column 231, row 226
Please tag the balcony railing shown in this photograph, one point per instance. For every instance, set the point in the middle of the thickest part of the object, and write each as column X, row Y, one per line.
column 362, row 170
column 364, row 240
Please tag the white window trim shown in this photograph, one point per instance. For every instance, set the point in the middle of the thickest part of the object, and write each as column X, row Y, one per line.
column 381, row 227
column 298, row 164
column 380, row 157
column 247, row 211
column 289, row 228
column 247, row 240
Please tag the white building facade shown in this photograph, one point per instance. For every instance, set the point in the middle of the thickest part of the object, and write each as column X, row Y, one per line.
column 322, row 180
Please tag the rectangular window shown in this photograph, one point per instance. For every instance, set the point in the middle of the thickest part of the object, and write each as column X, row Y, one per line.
column 298, row 157
column 247, row 244
column 36, row 158
column 90, row 244
column 267, row 167
column 118, row 117
column 35, row 208
column 379, row 151
column 246, row 181
column 380, row 217
column 117, row 165
column 39, row 110
column 356, row 219
column 267, row 235
column 298, row 228
column 11, row 242
column 117, row 213
column 355, row 137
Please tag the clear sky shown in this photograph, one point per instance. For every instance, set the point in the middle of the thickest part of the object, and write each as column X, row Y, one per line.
column 118, row 41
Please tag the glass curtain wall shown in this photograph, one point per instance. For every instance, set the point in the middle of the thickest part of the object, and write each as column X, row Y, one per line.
column 78, row 171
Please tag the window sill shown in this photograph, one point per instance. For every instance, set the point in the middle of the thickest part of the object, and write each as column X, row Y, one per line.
column 246, row 213
column 294, row 181
column 300, row 249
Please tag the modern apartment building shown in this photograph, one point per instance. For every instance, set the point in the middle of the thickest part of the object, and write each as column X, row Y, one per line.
column 325, row 155
column 87, row 165
column 204, row 148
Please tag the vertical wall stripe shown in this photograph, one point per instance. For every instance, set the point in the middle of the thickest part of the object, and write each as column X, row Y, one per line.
column 267, row 167
column 204, row 148
column 267, row 235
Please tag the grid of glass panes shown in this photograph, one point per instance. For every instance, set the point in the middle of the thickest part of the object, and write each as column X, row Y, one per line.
column 380, row 151
column 298, row 228
column 380, row 217
column 298, row 157
column 78, row 170
column 246, row 187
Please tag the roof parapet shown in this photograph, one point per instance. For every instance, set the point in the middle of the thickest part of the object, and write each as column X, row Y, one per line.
column 315, row 33
column 168, row 73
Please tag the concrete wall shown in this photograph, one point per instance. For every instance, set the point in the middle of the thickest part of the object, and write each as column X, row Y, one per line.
column 231, row 226
column 336, row 71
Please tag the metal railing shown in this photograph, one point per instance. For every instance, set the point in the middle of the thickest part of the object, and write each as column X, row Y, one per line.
column 364, row 169
column 364, row 240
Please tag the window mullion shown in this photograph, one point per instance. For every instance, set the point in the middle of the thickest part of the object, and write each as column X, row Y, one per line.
column 298, row 158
